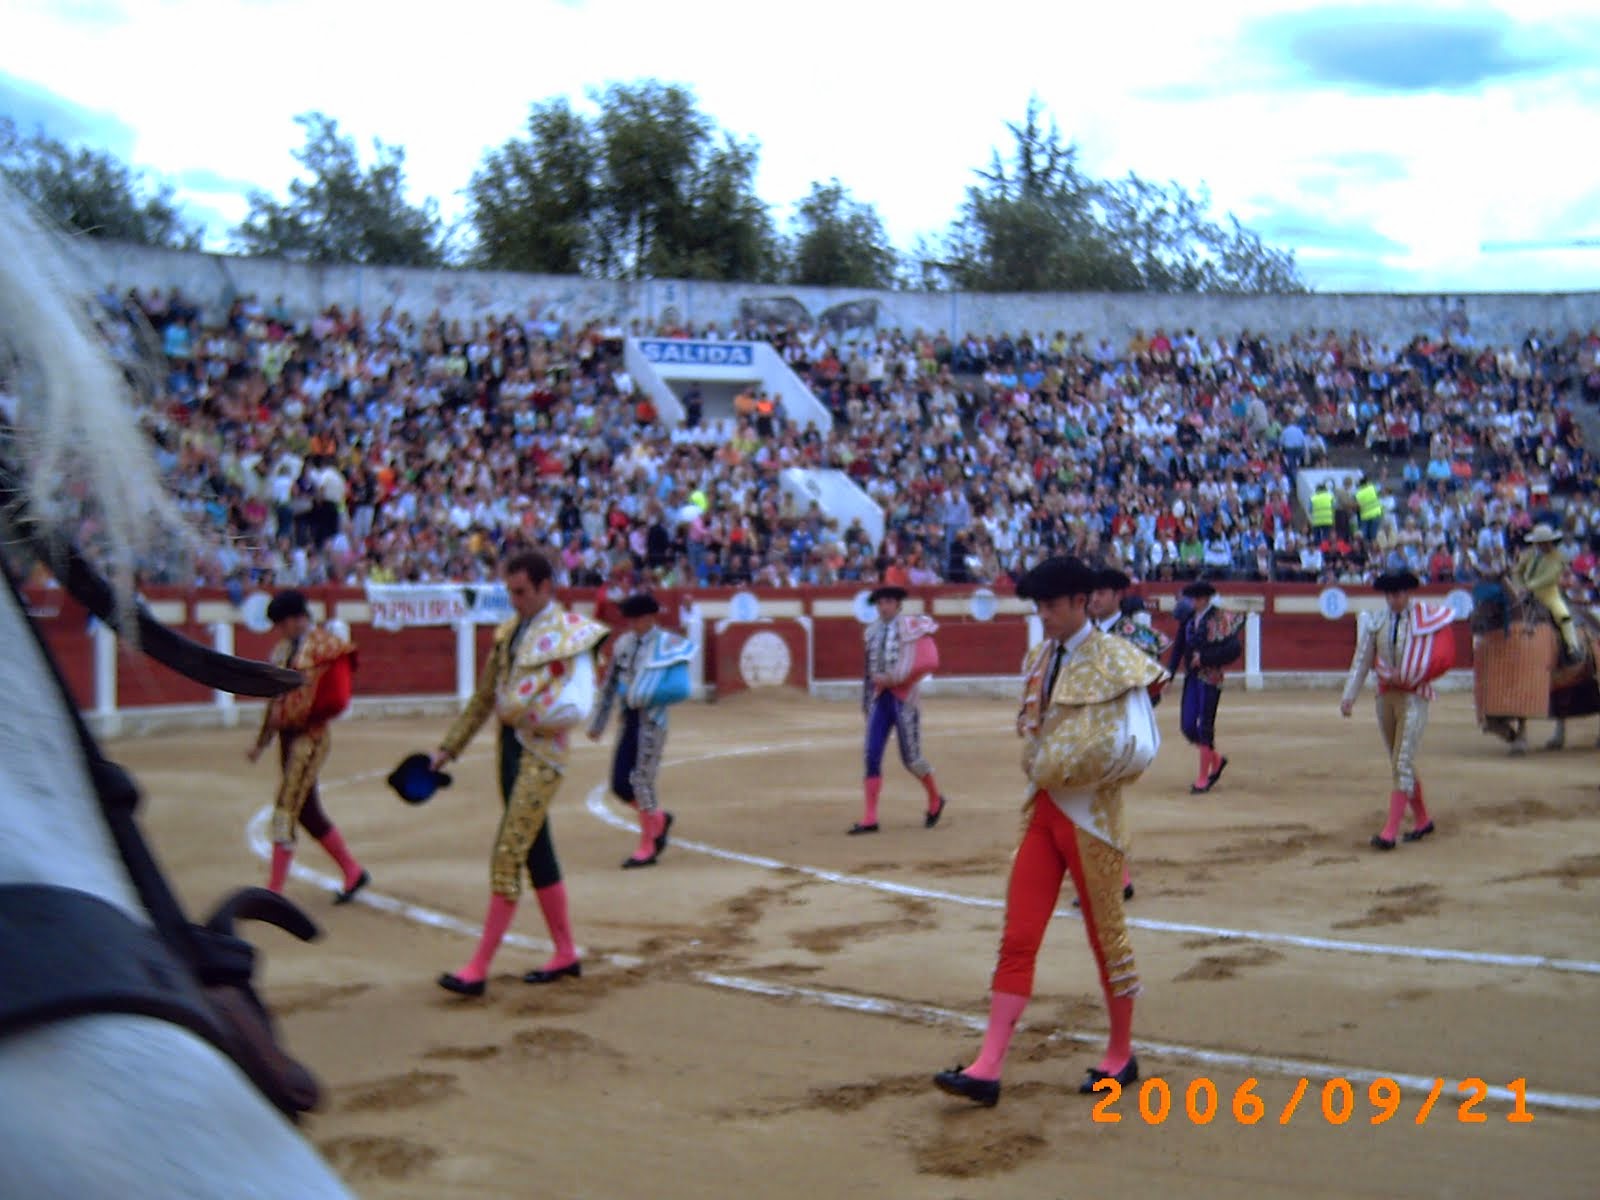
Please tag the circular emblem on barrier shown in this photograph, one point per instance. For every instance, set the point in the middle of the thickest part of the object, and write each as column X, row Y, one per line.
column 764, row 660
column 982, row 605
column 254, row 612
column 744, row 606
column 1460, row 602
column 866, row 610
column 1333, row 603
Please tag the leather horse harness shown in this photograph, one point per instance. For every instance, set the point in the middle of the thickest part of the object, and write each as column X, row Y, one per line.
column 68, row 953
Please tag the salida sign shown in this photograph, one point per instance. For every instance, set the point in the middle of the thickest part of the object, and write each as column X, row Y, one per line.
column 699, row 354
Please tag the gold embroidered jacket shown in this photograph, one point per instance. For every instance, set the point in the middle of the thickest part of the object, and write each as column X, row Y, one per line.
column 1094, row 733
column 326, row 660
column 522, row 689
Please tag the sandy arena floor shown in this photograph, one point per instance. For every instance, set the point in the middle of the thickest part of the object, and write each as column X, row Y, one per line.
column 761, row 1013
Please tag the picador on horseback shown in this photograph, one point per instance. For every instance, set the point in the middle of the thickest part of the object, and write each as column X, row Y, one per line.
column 1534, row 653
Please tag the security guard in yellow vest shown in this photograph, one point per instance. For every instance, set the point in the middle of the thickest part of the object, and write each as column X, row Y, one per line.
column 1369, row 508
column 1322, row 510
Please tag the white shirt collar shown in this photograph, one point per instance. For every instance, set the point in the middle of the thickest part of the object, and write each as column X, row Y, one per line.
column 1072, row 643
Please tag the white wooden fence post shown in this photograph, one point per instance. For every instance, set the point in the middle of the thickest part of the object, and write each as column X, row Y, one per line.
column 227, row 706
column 1252, row 652
column 106, row 715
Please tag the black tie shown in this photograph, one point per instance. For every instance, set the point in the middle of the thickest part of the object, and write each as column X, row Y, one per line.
column 1394, row 634
column 1055, row 669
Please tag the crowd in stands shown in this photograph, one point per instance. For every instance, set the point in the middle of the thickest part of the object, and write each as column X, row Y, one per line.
column 383, row 447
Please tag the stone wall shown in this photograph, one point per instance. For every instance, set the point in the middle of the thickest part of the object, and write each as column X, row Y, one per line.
column 214, row 280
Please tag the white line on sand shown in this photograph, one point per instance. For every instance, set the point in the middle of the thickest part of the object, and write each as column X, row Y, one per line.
column 261, row 846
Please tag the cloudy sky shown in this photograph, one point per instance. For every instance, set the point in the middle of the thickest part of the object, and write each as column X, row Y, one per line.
column 1383, row 143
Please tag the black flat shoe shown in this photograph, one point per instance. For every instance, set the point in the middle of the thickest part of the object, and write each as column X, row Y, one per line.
column 958, row 1083
column 629, row 863
column 1381, row 843
column 858, row 827
column 661, row 838
column 460, row 986
column 1211, row 780
column 1128, row 1074
column 574, row 969
column 931, row 819
column 349, row 893
column 1416, row 835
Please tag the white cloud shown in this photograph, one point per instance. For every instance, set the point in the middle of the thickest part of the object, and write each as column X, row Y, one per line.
column 900, row 104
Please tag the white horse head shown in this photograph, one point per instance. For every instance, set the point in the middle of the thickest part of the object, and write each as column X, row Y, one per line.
column 104, row 1105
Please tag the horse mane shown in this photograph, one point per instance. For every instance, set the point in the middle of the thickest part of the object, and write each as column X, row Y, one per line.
column 72, row 431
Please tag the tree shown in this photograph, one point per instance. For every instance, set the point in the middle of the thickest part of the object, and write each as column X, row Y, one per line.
column 92, row 192
column 1039, row 223
column 531, row 202
column 649, row 186
column 840, row 241
column 726, row 230
column 341, row 213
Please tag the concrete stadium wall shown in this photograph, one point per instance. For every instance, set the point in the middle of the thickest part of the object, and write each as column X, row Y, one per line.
column 214, row 280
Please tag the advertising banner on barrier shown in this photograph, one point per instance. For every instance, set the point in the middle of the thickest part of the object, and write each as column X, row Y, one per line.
column 403, row 605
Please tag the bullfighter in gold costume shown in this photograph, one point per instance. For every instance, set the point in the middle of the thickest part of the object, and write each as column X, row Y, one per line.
column 299, row 720
column 1088, row 730
column 537, row 656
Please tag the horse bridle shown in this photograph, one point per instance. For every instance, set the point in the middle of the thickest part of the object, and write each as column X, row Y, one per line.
column 68, row 953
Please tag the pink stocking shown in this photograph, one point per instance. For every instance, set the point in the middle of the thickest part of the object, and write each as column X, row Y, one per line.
column 871, row 788
column 495, row 923
column 1119, row 1047
column 282, row 856
column 1005, row 1010
column 333, row 843
column 1397, row 808
column 1419, row 810
column 647, row 835
column 553, row 903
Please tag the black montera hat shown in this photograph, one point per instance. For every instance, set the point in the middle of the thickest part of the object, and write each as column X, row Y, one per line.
column 415, row 782
column 1115, row 580
column 640, row 605
column 287, row 604
column 1198, row 589
column 887, row 592
column 1397, row 581
column 1058, row 576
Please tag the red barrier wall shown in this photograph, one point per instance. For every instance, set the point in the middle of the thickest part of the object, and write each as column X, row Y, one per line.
column 422, row 661
column 736, row 673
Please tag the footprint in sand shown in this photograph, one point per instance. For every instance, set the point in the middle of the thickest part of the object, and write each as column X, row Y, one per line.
column 314, row 997
column 1524, row 810
column 829, row 939
column 399, row 1091
column 550, row 1041
column 849, row 1097
column 1212, row 967
column 461, row 1053
column 962, row 1153
column 1397, row 905
column 1569, row 872
column 368, row 1157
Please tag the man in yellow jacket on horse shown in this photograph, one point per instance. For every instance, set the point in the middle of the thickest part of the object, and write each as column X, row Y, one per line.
column 1540, row 571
